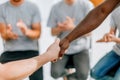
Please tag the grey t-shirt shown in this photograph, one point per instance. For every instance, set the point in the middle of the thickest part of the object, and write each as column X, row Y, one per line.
column 77, row 11
column 115, row 23
column 29, row 14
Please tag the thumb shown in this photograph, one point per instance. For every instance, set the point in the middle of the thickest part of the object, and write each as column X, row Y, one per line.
column 61, row 53
column 100, row 40
column 60, row 24
column 20, row 23
column 69, row 19
column 57, row 41
column 112, row 33
column 20, row 20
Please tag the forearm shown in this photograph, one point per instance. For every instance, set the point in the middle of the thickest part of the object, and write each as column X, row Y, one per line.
column 3, row 31
column 117, row 40
column 17, row 70
column 93, row 19
column 23, row 68
column 5, row 36
column 56, row 31
column 33, row 34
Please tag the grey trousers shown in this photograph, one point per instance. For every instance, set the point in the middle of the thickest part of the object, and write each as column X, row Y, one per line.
column 80, row 62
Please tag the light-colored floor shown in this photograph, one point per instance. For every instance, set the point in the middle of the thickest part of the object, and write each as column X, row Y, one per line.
column 98, row 50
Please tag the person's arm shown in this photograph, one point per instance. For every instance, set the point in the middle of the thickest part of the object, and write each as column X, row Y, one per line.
column 6, row 29
column 53, row 22
column 56, row 31
column 106, row 37
column 3, row 31
column 7, row 33
column 35, row 32
column 110, row 37
column 18, row 70
column 89, row 23
column 67, row 25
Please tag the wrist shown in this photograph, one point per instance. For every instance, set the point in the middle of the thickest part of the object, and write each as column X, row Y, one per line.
column 27, row 32
column 49, row 55
column 5, row 36
column 68, row 39
column 117, row 40
column 72, row 27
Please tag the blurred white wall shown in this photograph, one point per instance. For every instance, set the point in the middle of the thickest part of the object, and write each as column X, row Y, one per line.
column 98, row 50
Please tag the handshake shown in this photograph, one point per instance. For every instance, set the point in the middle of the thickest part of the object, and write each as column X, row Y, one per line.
column 57, row 49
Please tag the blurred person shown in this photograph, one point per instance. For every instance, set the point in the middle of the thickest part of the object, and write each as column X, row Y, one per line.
column 111, row 59
column 22, row 21
column 20, row 69
column 64, row 17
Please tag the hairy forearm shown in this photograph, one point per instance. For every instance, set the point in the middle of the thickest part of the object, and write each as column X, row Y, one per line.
column 23, row 68
column 93, row 19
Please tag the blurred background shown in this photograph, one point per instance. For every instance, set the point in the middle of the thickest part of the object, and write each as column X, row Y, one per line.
column 98, row 49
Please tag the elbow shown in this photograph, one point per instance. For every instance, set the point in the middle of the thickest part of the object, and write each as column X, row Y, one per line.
column 37, row 35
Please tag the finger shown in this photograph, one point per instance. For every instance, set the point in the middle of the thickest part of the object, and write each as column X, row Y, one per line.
column 20, row 23
column 60, row 25
column 20, row 20
column 61, row 53
column 66, row 51
column 101, row 40
column 9, row 26
column 112, row 33
column 109, row 39
column 105, row 38
column 65, row 22
column 23, row 29
column 57, row 41
column 54, row 61
column 15, row 36
column 68, row 18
